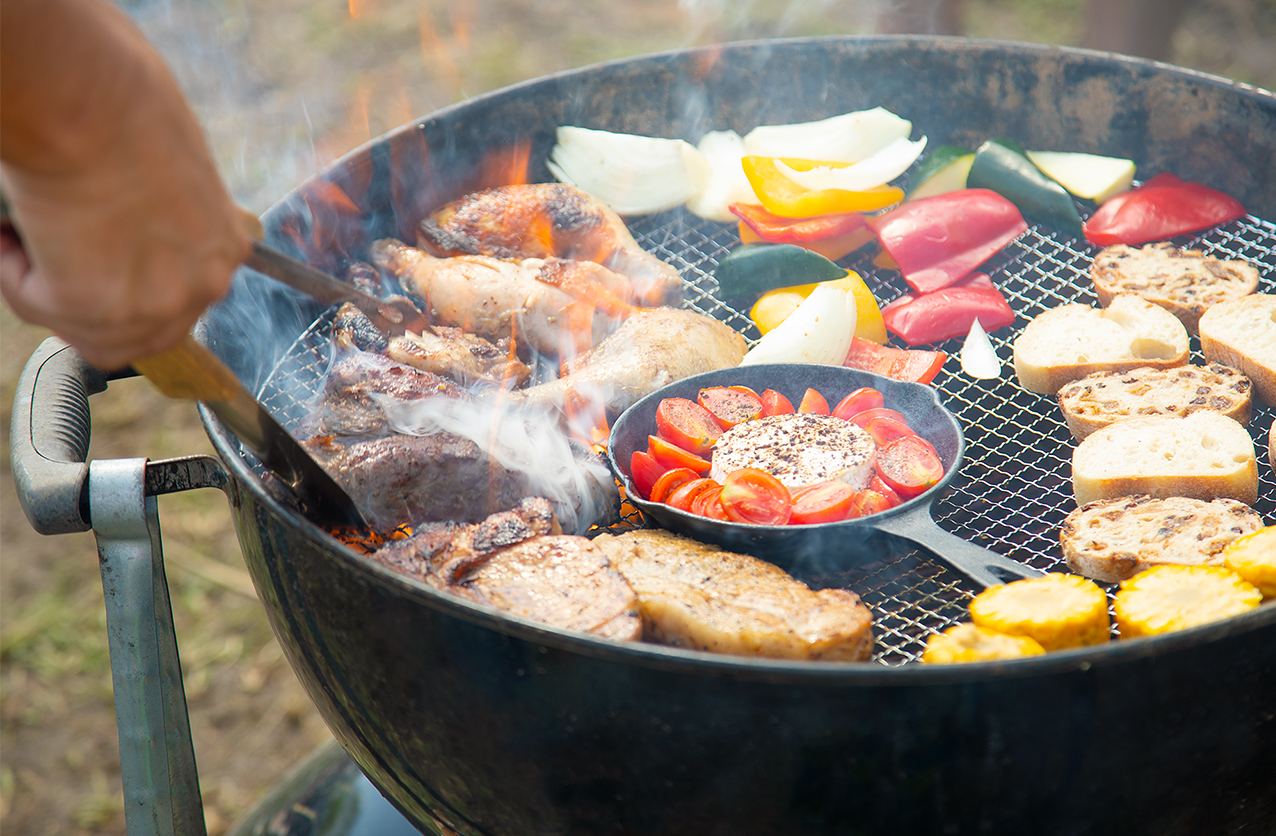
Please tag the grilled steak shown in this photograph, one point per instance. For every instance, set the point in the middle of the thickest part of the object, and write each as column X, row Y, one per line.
column 518, row 562
column 694, row 595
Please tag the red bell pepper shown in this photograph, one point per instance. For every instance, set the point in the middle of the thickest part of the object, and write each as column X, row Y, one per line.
column 938, row 240
column 899, row 363
column 1161, row 208
column 780, row 230
column 949, row 311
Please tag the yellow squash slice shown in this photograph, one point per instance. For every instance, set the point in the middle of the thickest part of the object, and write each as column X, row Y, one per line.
column 971, row 643
column 1168, row 598
column 1253, row 557
column 1057, row 610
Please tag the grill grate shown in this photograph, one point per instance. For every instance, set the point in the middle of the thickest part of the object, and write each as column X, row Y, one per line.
column 1014, row 489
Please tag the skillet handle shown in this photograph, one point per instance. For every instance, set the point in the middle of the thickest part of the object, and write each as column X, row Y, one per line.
column 983, row 566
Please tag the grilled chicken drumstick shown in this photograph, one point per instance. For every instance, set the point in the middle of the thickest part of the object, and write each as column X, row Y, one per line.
column 542, row 220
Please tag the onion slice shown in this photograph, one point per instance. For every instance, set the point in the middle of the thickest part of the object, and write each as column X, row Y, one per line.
column 727, row 182
column 818, row 331
column 634, row 175
column 877, row 170
column 848, row 138
column 978, row 358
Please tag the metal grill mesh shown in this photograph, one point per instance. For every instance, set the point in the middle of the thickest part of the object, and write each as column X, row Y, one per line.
column 1014, row 489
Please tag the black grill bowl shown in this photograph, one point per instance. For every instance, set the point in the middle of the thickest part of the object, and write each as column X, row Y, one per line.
column 475, row 723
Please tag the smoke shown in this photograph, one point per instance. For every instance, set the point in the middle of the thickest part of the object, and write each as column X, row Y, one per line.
column 576, row 482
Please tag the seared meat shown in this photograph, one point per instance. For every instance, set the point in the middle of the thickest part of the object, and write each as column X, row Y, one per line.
column 463, row 357
column 407, row 478
column 518, row 562
column 696, row 596
column 651, row 349
column 541, row 220
column 347, row 407
column 550, row 305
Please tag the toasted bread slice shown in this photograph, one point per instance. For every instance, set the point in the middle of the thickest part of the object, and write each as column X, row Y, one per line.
column 1069, row 342
column 1114, row 539
column 1205, row 455
column 1241, row 333
column 1184, row 282
column 1099, row 399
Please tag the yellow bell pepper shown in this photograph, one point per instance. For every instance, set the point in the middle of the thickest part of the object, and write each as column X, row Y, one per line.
column 774, row 307
column 781, row 196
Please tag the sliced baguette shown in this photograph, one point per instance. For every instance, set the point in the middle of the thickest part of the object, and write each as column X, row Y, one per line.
column 1184, row 282
column 1069, row 342
column 1102, row 398
column 1110, row 540
column 1204, row 455
column 1241, row 333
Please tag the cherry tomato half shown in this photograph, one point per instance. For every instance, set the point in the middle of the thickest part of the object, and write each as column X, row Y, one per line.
column 885, row 430
column 687, row 424
column 670, row 481
column 708, row 503
column 813, row 403
column 773, row 403
column 730, row 405
column 644, row 470
column 862, row 418
column 685, row 494
column 861, row 399
column 669, row 456
column 867, row 502
column 754, row 496
column 876, row 484
column 909, row 465
column 822, row 502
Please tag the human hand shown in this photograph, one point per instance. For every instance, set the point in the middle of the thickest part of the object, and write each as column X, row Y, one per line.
column 127, row 232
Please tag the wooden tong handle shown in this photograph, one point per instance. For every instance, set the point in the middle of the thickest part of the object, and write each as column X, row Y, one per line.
column 190, row 372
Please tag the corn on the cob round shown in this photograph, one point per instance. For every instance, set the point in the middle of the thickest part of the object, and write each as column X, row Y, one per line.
column 1253, row 557
column 1168, row 598
column 972, row 643
column 1057, row 610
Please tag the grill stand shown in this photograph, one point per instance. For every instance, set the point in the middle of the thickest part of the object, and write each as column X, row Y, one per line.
column 62, row 493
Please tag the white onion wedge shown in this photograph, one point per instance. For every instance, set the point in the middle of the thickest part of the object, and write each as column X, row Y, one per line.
column 634, row 175
column 848, row 138
column 818, row 331
column 978, row 357
column 877, row 170
column 727, row 182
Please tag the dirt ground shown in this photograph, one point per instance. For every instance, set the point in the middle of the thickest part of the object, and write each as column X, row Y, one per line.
column 283, row 87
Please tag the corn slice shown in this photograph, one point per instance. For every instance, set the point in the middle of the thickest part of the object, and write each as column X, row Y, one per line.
column 1253, row 557
column 1168, row 598
column 972, row 643
column 1057, row 610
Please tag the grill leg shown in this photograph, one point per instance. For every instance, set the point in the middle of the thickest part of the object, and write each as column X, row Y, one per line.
column 157, row 757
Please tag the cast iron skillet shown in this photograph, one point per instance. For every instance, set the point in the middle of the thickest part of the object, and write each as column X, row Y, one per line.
column 833, row 545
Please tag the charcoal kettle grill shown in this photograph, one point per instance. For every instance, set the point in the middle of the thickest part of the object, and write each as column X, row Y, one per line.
column 472, row 722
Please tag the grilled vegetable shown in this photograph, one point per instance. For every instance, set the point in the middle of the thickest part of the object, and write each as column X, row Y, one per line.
column 1161, row 208
column 1001, row 165
column 1059, row 611
column 775, row 306
column 945, row 170
column 819, row 331
column 1168, row 598
column 687, row 424
column 757, row 268
column 754, row 496
column 1088, row 176
column 917, row 366
column 1253, row 557
column 780, row 230
column 971, row 643
column 846, row 138
column 869, row 173
column 634, row 175
column 936, row 241
column 781, row 196
column 948, row 312
column 726, row 183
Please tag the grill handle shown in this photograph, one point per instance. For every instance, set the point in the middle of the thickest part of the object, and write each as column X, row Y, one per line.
column 983, row 566
column 49, row 437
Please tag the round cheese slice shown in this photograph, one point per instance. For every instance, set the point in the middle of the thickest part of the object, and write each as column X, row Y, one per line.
column 798, row 449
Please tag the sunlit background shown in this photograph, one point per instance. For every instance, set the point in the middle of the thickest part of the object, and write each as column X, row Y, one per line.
column 283, row 88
